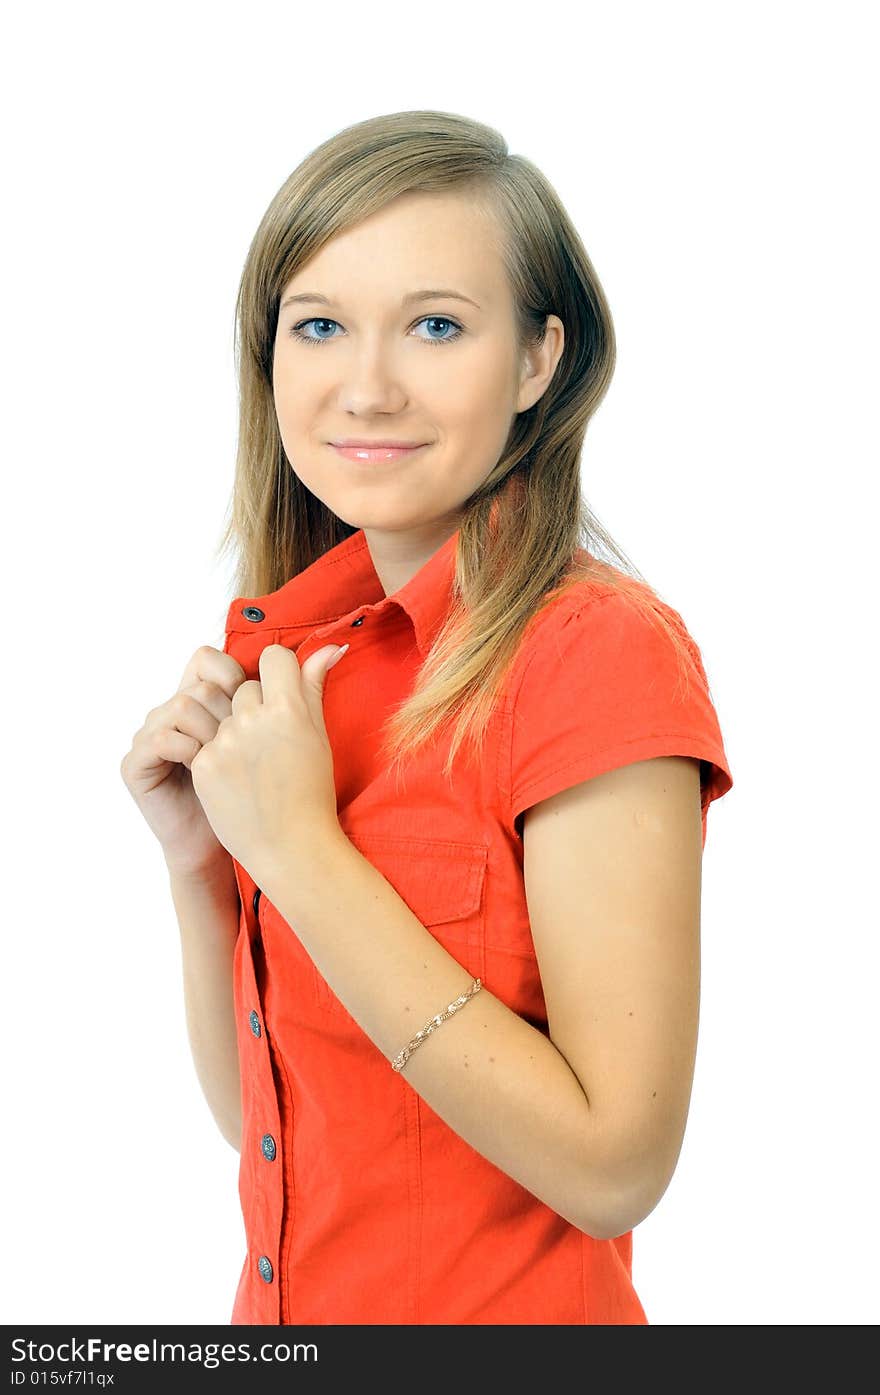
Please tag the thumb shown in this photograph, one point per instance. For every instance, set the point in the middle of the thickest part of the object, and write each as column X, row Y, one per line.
column 336, row 654
column 315, row 670
column 323, row 659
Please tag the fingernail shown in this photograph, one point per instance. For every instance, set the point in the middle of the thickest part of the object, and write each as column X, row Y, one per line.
column 336, row 658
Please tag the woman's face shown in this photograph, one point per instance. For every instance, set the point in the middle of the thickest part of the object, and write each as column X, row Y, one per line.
column 362, row 358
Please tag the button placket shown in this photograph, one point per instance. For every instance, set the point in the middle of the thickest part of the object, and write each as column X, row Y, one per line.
column 268, row 1146
column 254, row 1018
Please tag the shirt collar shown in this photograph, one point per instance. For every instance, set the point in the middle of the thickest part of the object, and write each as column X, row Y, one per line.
column 342, row 583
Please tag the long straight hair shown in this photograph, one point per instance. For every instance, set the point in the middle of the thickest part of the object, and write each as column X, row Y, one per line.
column 527, row 533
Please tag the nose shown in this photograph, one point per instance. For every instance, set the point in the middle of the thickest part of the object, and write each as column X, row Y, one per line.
column 372, row 380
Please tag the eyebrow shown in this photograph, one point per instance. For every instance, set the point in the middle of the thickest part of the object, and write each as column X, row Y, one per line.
column 407, row 299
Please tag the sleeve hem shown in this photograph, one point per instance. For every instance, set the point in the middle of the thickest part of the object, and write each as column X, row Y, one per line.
column 594, row 763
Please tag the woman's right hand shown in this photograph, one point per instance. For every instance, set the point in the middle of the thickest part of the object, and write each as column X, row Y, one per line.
column 156, row 769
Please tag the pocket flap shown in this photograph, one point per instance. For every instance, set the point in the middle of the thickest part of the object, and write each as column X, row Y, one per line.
column 439, row 881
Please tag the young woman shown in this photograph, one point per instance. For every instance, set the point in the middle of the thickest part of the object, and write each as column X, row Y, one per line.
column 440, row 902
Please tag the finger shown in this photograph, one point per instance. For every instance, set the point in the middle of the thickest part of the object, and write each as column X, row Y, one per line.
column 213, row 698
column 282, row 675
column 184, row 712
column 279, row 673
column 313, row 677
column 318, row 665
column 166, row 744
column 249, row 694
column 212, row 665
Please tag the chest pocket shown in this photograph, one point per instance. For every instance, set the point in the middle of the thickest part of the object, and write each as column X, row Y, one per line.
column 443, row 885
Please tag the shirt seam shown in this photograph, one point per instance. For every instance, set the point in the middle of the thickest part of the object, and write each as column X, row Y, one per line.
column 513, row 697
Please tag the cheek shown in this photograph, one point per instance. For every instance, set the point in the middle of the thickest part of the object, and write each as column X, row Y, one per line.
column 482, row 392
column 481, row 415
column 295, row 414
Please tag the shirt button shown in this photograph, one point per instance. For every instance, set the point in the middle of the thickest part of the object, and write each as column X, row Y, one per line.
column 268, row 1146
column 256, row 903
column 255, row 1023
column 360, row 620
column 253, row 612
column 265, row 1267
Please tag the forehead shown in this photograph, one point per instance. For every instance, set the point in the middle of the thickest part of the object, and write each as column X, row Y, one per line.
column 416, row 240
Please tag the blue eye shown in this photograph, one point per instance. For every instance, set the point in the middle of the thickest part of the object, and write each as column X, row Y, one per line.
column 296, row 330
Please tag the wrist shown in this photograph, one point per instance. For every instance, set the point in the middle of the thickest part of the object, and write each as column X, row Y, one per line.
column 217, row 867
column 295, row 872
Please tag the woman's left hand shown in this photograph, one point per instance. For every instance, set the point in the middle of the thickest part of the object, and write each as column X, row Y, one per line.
column 266, row 780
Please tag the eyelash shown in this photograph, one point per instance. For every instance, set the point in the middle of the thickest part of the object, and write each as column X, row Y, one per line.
column 321, row 319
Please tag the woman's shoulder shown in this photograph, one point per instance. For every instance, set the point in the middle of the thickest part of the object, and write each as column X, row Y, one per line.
column 597, row 592
column 599, row 609
column 608, row 674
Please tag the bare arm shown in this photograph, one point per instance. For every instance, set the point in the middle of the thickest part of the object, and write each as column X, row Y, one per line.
column 157, row 770
column 613, row 872
column 208, row 908
column 591, row 1118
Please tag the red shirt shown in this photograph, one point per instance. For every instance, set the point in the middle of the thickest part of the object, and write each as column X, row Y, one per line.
column 360, row 1204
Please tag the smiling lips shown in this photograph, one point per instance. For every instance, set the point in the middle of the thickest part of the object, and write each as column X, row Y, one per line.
column 375, row 453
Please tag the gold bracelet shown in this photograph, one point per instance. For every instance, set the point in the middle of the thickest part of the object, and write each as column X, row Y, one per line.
column 403, row 1056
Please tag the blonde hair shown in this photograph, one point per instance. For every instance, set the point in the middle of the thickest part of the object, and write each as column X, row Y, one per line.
column 526, row 534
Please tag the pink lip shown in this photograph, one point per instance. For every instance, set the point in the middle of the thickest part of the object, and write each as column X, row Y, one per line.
column 373, row 453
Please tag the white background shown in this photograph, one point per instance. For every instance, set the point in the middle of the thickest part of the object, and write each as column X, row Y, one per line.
column 719, row 162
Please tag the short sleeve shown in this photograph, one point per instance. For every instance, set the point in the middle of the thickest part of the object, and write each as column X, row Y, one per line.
column 604, row 685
